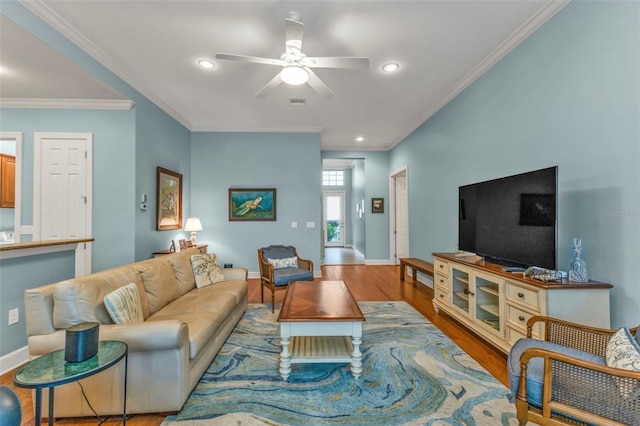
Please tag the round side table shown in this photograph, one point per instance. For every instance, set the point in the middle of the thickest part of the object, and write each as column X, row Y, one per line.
column 52, row 370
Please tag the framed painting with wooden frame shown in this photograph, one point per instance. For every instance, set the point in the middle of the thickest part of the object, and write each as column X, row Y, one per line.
column 377, row 205
column 169, row 199
column 252, row 204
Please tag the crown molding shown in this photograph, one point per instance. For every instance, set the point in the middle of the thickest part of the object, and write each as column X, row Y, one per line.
column 540, row 18
column 44, row 12
column 275, row 129
column 110, row 104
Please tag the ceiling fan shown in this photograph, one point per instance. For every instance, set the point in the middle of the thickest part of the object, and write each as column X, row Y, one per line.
column 296, row 66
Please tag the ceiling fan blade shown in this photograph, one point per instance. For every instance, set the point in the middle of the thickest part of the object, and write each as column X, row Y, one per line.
column 251, row 59
column 269, row 87
column 319, row 86
column 337, row 62
column 294, row 30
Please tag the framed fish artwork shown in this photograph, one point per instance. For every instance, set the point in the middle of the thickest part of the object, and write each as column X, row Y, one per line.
column 252, row 204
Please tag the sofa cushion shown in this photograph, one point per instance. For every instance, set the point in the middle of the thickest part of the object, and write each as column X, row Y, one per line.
column 206, row 269
column 82, row 299
column 123, row 305
column 181, row 264
column 638, row 335
column 535, row 369
column 623, row 352
column 287, row 262
column 285, row 276
column 160, row 283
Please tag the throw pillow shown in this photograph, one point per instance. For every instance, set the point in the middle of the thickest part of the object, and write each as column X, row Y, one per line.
column 123, row 305
column 624, row 352
column 288, row 262
column 206, row 269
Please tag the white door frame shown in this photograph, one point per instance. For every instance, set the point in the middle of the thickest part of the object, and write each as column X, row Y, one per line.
column 392, row 211
column 83, row 252
column 17, row 137
column 343, row 229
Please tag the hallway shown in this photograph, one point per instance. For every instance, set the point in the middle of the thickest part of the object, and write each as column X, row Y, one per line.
column 342, row 256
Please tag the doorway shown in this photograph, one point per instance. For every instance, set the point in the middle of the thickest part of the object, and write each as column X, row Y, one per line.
column 62, row 201
column 334, row 215
column 399, row 215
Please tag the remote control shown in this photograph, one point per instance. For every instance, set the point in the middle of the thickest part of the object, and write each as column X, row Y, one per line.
column 513, row 269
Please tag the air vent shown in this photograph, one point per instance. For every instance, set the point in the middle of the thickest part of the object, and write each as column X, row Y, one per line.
column 297, row 102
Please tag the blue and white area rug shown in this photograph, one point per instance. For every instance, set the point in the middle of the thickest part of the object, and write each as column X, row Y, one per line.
column 412, row 375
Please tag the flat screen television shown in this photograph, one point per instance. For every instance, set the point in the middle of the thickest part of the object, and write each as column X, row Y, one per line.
column 511, row 220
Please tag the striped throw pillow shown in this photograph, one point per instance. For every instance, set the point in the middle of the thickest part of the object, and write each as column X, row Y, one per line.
column 123, row 305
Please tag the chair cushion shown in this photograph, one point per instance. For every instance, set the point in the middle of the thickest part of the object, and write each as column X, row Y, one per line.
column 206, row 269
column 287, row 262
column 535, row 368
column 278, row 252
column 285, row 276
column 123, row 305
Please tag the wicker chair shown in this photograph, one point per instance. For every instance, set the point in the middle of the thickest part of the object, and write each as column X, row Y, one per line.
column 577, row 387
column 279, row 279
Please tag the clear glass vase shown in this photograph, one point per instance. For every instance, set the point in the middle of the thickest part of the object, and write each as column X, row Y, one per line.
column 578, row 269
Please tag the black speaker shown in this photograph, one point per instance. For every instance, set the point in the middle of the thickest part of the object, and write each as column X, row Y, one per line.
column 81, row 341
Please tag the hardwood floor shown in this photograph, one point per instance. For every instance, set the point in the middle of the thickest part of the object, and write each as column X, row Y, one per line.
column 367, row 284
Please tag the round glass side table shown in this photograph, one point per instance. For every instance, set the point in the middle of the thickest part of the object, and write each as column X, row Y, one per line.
column 52, row 370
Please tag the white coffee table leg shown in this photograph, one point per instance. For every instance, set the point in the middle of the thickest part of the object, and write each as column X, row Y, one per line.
column 285, row 355
column 356, row 355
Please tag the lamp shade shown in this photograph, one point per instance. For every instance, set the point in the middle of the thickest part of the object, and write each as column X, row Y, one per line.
column 193, row 225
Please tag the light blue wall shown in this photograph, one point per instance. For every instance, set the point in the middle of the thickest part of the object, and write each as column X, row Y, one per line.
column 288, row 162
column 376, row 185
column 160, row 140
column 42, row 269
column 113, row 173
column 569, row 95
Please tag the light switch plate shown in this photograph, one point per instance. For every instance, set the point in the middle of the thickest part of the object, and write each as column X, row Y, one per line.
column 26, row 229
column 294, row 225
column 311, row 224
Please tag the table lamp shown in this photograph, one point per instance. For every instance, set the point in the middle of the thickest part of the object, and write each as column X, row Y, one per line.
column 193, row 225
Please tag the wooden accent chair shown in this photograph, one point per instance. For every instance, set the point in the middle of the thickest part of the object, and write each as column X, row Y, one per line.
column 280, row 265
column 565, row 379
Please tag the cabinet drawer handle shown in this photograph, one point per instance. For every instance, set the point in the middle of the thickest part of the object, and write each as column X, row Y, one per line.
column 441, row 281
column 521, row 318
column 472, row 294
column 521, row 295
column 441, row 266
column 441, row 295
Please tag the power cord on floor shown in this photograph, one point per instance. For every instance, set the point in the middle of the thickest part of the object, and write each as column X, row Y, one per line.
column 102, row 419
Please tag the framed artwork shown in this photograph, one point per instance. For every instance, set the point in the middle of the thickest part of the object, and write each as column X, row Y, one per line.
column 252, row 204
column 377, row 205
column 169, row 200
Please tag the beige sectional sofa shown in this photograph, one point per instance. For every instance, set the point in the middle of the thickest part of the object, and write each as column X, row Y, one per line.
column 184, row 328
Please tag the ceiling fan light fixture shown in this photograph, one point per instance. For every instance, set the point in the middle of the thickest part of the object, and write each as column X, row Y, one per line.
column 294, row 75
column 390, row 67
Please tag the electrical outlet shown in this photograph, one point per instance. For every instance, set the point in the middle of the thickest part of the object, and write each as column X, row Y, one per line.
column 14, row 315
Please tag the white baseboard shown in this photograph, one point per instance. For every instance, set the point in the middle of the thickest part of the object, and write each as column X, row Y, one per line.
column 14, row 359
column 378, row 262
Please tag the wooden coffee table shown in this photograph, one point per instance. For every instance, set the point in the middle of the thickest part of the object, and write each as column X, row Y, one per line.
column 320, row 321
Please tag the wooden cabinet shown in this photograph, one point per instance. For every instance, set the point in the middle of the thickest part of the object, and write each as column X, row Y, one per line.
column 496, row 304
column 201, row 248
column 7, row 181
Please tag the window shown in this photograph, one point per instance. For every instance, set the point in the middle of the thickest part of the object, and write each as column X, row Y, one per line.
column 333, row 178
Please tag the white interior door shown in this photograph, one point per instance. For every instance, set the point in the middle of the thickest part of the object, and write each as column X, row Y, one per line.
column 402, row 227
column 62, row 190
column 334, row 213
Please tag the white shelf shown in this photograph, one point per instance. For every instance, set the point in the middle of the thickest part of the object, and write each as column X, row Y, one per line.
column 462, row 278
column 489, row 290
column 491, row 308
column 462, row 295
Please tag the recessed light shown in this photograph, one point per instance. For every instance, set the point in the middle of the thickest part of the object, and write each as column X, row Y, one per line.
column 390, row 67
column 359, row 139
column 206, row 63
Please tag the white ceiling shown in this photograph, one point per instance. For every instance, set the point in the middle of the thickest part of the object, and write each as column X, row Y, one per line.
column 441, row 46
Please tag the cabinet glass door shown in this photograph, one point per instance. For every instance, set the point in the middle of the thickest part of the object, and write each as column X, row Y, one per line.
column 460, row 288
column 487, row 299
